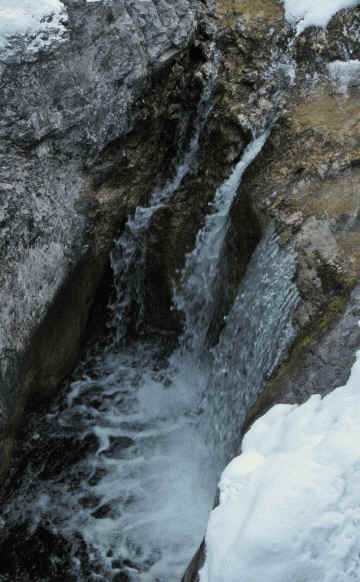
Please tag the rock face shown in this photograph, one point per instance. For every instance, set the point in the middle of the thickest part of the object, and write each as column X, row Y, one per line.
column 87, row 118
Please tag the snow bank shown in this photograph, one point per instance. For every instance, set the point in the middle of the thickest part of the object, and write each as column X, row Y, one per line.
column 29, row 16
column 290, row 504
column 304, row 13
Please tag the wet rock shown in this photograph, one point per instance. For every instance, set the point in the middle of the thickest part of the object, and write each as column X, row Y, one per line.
column 90, row 501
column 191, row 574
column 89, row 126
column 27, row 557
column 99, row 473
column 104, row 511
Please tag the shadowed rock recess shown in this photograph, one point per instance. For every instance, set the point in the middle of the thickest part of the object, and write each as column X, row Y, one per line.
column 95, row 121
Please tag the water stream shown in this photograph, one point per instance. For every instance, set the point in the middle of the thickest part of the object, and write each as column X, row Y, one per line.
column 129, row 253
column 196, row 295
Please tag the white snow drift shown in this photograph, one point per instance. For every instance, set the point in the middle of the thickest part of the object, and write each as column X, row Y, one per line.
column 290, row 503
column 304, row 13
column 28, row 16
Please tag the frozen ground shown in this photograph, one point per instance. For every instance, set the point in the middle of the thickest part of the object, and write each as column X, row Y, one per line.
column 289, row 506
column 304, row 13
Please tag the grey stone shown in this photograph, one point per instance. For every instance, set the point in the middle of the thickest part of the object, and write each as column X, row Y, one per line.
column 70, row 107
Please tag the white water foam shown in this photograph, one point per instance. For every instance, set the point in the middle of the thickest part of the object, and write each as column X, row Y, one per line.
column 150, row 484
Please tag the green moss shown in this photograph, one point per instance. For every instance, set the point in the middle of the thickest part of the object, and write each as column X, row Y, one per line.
column 336, row 309
column 323, row 323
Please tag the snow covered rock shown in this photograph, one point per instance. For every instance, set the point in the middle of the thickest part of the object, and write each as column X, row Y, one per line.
column 289, row 504
column 40, row 22
column 306, row 13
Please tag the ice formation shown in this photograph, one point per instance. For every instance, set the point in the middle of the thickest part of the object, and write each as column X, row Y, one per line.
column 289, row 504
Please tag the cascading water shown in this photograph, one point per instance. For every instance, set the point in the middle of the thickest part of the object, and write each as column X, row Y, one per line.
column 128, row 497
column 256, row 336
column 129, row 253
column 196, row 298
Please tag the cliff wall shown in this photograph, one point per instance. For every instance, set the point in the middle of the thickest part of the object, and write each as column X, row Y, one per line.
column 92, row 113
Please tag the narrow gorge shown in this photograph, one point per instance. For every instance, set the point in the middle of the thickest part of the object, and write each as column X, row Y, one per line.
column 180, row 253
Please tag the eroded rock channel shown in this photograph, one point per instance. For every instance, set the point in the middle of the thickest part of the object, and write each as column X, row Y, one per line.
column 180, row 251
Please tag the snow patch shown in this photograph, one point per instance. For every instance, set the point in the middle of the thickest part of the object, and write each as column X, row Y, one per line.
column 345, row 74
column 26, row 17
column 289, row 504
column 304, row 13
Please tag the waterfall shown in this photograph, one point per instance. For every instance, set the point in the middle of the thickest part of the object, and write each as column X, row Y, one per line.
column 119, row 497
column 126, row 475
column 256, row 337
column 196, row 298
column 129, row 253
